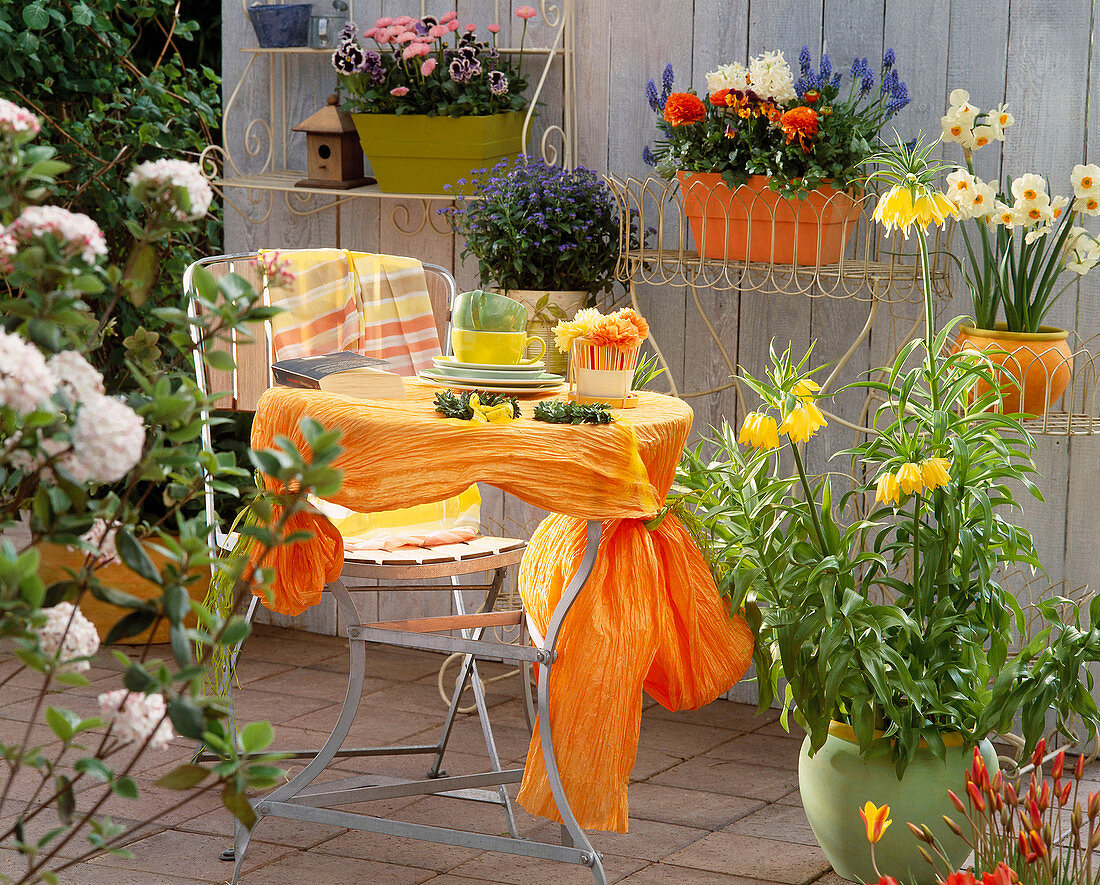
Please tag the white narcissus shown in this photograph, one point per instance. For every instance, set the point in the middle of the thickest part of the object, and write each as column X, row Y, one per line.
column 1027, row 189
column 985, row 200
column 1007, row 216
column 1000, row 120
column 1082, row 251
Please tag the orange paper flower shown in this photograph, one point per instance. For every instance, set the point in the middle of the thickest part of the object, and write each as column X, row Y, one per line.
column 684, row 108
column 800, row 123
column 615, row 330
column 638, row 320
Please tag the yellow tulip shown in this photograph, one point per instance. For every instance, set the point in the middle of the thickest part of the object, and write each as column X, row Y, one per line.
column 910, row 479
column 888, row 489
column 876, row 819
column 759, row 431
column 802, row 423
column 934, row 472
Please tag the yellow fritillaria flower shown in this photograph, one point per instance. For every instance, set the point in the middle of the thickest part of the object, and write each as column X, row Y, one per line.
column 909, row 478
column 759, row 431
column 805, row 389
column 934, row 472
column 899, row 208
column 888, row 489
column 802, row 423
column 876, row 819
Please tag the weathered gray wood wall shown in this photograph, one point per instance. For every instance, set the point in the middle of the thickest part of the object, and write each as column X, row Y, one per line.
column 1034, row 54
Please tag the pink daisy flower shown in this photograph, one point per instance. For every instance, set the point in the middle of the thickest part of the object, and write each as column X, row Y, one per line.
column 410, row 51
column 470, row 28
column 399, row 91
column 494, row 29
column 428, row 66
column 403, row 20
column 526, row 12
column 383, row 23
column 406, row 36
column 448, row 17
column 453, row 26
column 439, row 31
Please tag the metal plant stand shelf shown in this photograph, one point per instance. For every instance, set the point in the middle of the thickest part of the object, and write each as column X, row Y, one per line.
column 303, row 799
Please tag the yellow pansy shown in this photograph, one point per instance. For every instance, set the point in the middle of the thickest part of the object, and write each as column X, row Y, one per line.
column 876, row 819
column 759, row 431
column 802, row 423
column 888, row 489
column 934, row 472
column 910, row 479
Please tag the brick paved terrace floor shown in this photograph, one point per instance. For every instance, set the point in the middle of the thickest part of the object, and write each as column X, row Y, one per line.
column 713, row 799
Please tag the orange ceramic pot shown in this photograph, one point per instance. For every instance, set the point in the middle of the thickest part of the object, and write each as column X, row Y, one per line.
column 755, row 223
column 1036, row 366
column 56, row 562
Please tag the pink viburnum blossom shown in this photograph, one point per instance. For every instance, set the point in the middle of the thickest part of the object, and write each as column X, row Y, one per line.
column 102, row 537
column 108, row 438
column 157, row 182
column 76, row 233
column 25, row 380
column 494, row 29
column 275, row 269
column 526, row 12
column 428, row 66
column 16, row 120
column 67, row 637
column 76, row 377
column 399, row 91
column 135, row 716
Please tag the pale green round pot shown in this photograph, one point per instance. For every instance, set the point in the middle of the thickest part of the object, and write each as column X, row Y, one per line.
column 836, row 782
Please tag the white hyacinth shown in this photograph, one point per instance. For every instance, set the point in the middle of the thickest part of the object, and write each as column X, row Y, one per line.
column 734, row 76
column 68, row 636
column 107, row 439
column 76, row 377
column 15, row 120
column 770, row 77
column 135, row 716
column 75, row 232
column 164, row 175
column 25, row 380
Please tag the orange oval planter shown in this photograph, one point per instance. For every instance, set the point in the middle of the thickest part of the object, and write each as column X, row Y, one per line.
column 755, row 223
column 1037, row 366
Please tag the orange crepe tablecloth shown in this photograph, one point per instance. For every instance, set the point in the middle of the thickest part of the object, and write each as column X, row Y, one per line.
column 649, row 615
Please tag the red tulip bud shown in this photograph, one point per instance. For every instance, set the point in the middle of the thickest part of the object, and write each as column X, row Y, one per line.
column 1025, row 849
column 1094, row 839
column 956, row 801
column 1010, row 795
column 1059, row 765
column 1036, row 814
column 1037, row 844
column 1040, row 751
column 1094, row 805
column 1044, row 796
column 975, row 796
column 1063, row 797
column 998, row 780
column 952, row 826
column 1079, row 768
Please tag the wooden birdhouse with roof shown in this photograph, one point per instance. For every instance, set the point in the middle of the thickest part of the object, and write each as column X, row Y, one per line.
column 335, row 155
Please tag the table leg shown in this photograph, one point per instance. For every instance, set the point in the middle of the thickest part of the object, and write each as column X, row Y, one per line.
column 571, row 828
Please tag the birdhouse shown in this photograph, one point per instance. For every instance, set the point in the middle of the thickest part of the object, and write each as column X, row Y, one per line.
column 333, row 148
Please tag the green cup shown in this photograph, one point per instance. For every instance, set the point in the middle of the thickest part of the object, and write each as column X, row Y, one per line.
column 481, row 311
column 494, row 348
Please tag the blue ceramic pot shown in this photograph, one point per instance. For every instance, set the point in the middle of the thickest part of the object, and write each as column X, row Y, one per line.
column 279, row 26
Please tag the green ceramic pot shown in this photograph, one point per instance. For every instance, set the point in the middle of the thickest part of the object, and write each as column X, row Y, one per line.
column 836, row 782
column 417, row 154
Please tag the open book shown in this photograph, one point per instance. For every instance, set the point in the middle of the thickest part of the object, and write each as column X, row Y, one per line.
column 344, row 372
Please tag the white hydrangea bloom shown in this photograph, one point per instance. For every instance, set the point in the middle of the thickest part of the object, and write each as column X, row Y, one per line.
column 25, row 380
column 168, row 174
column 135, row 716
column 108, row 437
column 770, row 77
column 15, row 120
column 66, row 636
column 75, row 232
column 734, row 76
column 76, row 377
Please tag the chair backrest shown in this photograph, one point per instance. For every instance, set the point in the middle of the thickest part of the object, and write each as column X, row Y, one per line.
column 253, row 354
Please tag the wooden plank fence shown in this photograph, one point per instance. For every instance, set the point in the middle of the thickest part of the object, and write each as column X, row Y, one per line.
column 1034, row 54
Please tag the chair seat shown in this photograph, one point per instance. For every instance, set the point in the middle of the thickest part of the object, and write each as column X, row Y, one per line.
column 476, row 555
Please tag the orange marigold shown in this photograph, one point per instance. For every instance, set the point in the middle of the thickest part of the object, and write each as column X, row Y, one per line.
column 684, row 108
column 615, row 330
column 800, row 123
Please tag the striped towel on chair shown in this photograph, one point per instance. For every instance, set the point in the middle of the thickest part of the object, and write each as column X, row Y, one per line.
column 321, row 307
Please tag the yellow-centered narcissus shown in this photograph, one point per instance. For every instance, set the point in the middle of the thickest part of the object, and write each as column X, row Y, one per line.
column 910, row 479
column 934, row 472
column 876, row 819
column 759, row 431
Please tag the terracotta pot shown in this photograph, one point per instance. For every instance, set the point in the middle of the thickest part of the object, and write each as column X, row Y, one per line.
column 837, row 781
column 418, row 154
column 561, row 305
column 1037, row 364
column 54, row 560
column 755, row 223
